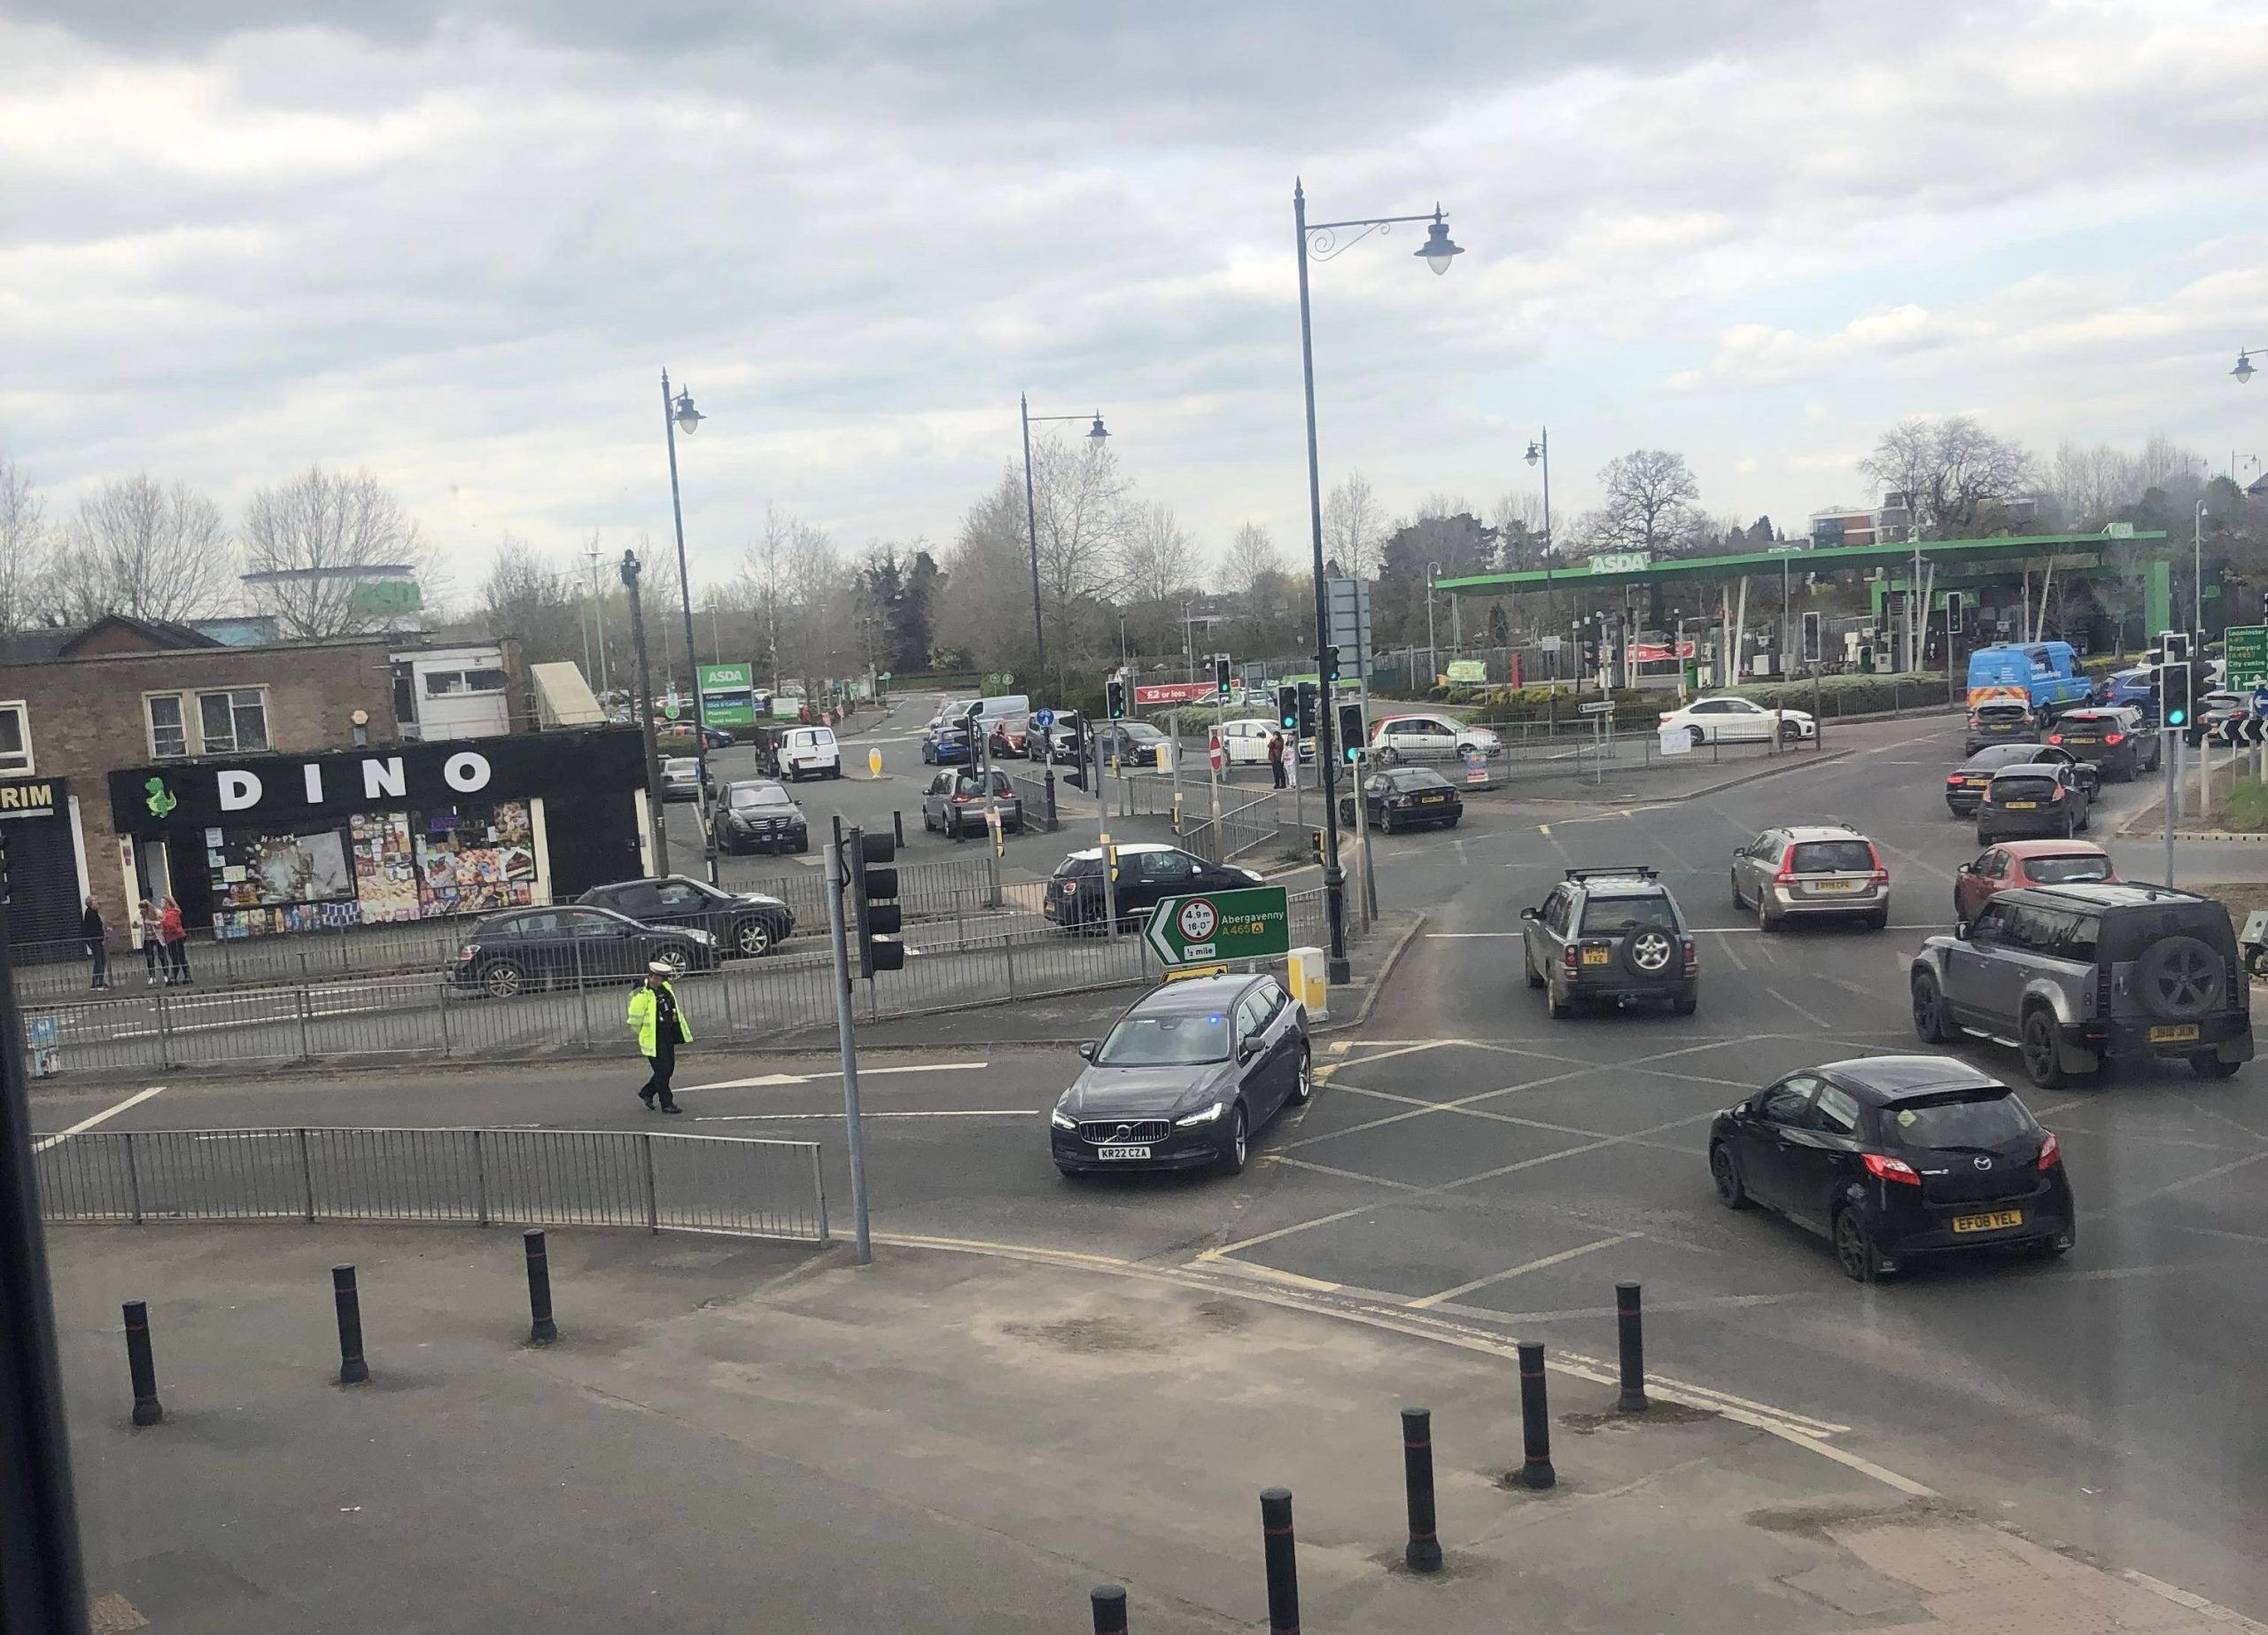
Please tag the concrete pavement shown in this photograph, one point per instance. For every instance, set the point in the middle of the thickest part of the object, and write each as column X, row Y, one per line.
column 729, row 1438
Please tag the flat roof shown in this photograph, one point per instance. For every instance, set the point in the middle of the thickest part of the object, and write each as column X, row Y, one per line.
column 1812, row 558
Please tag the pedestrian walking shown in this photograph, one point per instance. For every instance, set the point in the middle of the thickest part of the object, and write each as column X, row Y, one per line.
column 153, row 948
column 662, row 1028
column 1276, row 758
column 91, row 927
column 173, row 957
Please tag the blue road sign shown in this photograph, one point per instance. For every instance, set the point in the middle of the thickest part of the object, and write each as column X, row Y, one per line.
column 1042, row 717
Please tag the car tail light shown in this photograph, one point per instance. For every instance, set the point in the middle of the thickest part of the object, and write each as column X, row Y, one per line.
column 1786, row 865
column 1974, row 723
column 1573, row 961
column 1882, row 1166
column 2114, row 737
column 468, row 951
column 2054, row 738
column 2057, row 793
column 1955, row 781
column 1070, row 888
column 1882, row 875
column 1692, row 959
column 1666, row 714
column 2050, row 1150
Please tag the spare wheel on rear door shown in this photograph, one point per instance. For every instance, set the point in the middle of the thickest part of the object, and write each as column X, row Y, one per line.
column 2180, row 979
column 1647, row 950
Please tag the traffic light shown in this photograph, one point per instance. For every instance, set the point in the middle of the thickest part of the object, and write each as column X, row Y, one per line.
column 1351, row 731
column 1310, row 697
column 1114, row 694
column 2177, row 696
column 1953, row 611
column 874, row 899
column 1221, row 679
column 1287, row 708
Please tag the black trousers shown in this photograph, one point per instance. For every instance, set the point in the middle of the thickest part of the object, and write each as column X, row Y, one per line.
column 100, row 955
column 663, row 1062
column 1276, row 769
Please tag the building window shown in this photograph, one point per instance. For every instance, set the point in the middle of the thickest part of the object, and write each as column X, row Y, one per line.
column 233, row 721
column 15, row 739
column 444, row 683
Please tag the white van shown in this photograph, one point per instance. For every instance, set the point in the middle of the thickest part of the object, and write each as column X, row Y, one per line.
column 1010, row 707
column 809, row 752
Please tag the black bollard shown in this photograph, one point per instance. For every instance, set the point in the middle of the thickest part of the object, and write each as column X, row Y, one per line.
column 1110, row 1609
column 1283, row 1563
column 1535, row 1418
column 147, row 1410
column 542, row 1330
column 897, row 826
column 1629, row 1327
column 1424, row 1553
column 351, row 1369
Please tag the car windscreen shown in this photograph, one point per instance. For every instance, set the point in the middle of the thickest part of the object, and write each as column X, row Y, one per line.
column 765, row 795
column 1611, row 916
column 1142, row 732
column 1071, row 866
column 2022, row 786
column 2066, row 870
column 682, row 767
column 1171, row 1038
column 1980, row 1117
column 1830, row 857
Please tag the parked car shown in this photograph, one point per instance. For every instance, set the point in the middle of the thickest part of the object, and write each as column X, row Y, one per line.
column 1245, row 743
column 1727, row 720
column 1134, row 744
column 808, row 751
column 2044, row 676
column 1428, row 737
column 1185, row 1078
column 527, row 949
column 1801, row 871
column 1147, row 871
column 2015, row 863
column 2000, row 720
column 949, row 746
column 1611, row 933
column 2037, row 799
column 759, row 814
column 1965, row 783
column 2113, row 740
column 716, row 737
column 683, row 778
column 741, row 925
column 2079, row 976
column 1405, row 798
column 954, row 804
column 1891, row 1158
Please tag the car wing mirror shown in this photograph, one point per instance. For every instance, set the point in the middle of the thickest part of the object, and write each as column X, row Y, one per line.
column 1965, row 868
column 1088, row 1050
column 1247, row 1051
column 1528, row 914
column 1961, row 931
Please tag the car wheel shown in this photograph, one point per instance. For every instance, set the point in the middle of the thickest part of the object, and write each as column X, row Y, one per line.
column 1686, row 1004
column 1931, row 1024
column 675, row 956
column 1697, row 735
column 501, row 979
column 1790, row 732
column 1384, row 755
column 1527, row 963
column 1561, row 1008
column 1386, row 821
column 1740, row 903
column 1237, row 1147
column 1854, row 1246
column 1303, row 1087
column 2043, row 1052
column 752, row 939
column 1453, row 822
column 2181, row 980
column 1725, row 1175
column 2069, row 827
column 2207, row 1065
column 1767, row 921
column 1879, row 920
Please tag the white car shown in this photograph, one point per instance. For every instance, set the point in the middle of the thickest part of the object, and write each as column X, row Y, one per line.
column 1427, row 737
column 1245, row 743
column 1739, row 721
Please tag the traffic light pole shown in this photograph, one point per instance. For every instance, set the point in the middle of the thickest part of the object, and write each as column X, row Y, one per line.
column 854, row 1133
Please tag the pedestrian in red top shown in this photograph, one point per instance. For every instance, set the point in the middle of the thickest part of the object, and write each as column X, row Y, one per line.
column 174, row 936
column 1276, row 758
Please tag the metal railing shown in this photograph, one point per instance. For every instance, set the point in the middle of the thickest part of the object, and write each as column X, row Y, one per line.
column 979, row 961
column 531, row 1178
column 1244, row 827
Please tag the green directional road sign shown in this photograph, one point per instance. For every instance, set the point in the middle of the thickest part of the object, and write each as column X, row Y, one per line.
column 1249, row 923
column 2248, row 656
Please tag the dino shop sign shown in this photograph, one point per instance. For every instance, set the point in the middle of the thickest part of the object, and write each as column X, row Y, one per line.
column 151, row 802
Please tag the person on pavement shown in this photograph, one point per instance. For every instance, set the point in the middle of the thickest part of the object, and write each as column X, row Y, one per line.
column 662, row 1028
column 173, row 957
column 152, row 945
column 1276, row 758
column 91, row 927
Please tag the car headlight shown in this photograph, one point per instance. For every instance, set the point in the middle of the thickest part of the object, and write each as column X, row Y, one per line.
column 1203, row 1115
column 1060, row 1119
column 700, row 936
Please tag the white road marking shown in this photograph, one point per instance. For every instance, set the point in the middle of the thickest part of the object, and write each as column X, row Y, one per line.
column 765, row 1081
column 86, row 1123
column 956, row 1112
column 1814, row 1018
column 1519, row 1271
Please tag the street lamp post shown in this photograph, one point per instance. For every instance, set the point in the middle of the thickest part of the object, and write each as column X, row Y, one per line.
column 2244, row 371
column 1319, row 242
column 1095, row 434
column 679, row 415
column 1432, row 655
column 1539, row 451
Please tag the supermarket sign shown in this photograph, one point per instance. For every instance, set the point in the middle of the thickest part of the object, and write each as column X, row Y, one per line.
column 1173, row 692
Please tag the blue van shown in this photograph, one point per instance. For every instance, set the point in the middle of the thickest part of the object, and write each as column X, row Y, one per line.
column 2045, row 675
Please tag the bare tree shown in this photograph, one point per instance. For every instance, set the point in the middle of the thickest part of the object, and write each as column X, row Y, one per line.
column 322, row 533
column 1354, row 527
column 147, row 551
column 1252, row 557
column 984, row 615
column 2082, row 488
column 528, row 596
column 2162, row 463
column 1159, row 560
column 1081, row 505
column 1949, row 471
column 25, row 552
column 1517, row 521
column 1652, row 503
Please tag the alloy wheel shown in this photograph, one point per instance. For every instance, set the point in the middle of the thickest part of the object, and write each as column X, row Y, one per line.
column 1724, row 1177
column 673, row 956
column 501, row 979
column 1854, row 1250
column 754, row 938
column 2042, row 1062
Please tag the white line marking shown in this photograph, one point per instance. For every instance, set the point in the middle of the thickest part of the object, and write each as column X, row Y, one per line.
column 769, row 1080
column 1519, row 1271
column 85, row 1125
column 970, row 1112
column 1812, row 1017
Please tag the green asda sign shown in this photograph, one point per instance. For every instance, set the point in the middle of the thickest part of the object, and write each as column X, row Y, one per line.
column 727, row 694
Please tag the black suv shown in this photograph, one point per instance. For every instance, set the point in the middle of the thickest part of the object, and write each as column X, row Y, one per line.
column 1889, row 1156
column 2078, row 977
column 744, row 923
column 1612, row 934
column 759, row 814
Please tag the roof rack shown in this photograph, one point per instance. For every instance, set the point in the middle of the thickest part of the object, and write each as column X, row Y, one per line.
column 1639, row 869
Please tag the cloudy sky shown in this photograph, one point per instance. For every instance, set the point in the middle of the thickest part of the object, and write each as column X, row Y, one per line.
column 456, row 245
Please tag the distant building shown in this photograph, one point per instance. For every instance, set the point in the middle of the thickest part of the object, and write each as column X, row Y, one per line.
column 1887, row 523
column 244, row 630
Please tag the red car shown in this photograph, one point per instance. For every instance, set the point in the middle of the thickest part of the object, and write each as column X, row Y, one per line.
column 2013, row 863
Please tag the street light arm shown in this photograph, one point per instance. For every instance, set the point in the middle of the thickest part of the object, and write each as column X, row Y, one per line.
column 1323, row 240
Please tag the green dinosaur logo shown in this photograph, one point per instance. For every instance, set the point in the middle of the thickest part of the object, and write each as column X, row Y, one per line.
column 161, row 801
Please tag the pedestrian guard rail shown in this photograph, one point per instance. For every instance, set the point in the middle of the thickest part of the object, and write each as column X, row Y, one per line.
column 479, row 1177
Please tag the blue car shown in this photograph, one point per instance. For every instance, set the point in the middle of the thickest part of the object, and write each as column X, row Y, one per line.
column 947, row 746
column 2135, row 688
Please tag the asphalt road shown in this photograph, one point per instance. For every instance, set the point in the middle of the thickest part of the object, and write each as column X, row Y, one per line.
column 1469, row 1160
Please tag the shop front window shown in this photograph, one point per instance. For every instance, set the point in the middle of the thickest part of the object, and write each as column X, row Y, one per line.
column 270, row 880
